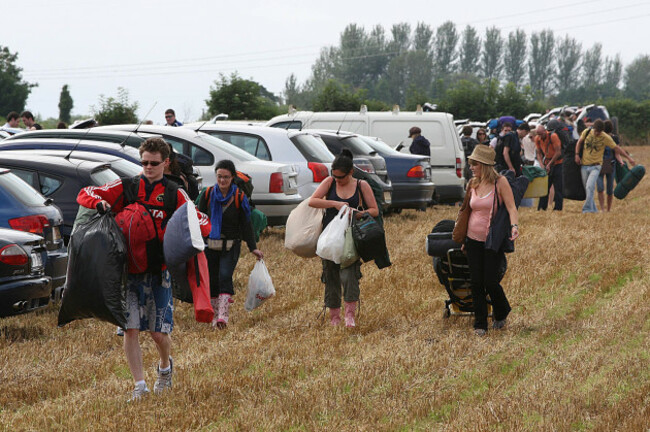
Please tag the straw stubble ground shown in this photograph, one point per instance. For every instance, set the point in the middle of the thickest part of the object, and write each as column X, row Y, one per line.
column 574, row 355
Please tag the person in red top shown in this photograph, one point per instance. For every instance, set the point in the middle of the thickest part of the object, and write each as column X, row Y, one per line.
column 549, row 156
column 149, row 295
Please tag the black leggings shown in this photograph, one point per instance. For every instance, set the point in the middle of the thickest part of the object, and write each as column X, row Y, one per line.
column 484, row 271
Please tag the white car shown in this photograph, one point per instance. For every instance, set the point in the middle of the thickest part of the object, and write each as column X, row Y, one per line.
column 305, row 151
column 275, row 185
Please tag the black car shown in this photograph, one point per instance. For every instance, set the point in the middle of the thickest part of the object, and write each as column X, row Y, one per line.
column 24, row 209
column 366, row 159
column 121, row 167
column 60, row 179
column 23, row 284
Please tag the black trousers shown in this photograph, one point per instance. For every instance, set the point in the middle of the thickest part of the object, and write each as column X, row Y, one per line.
column 484, row 267
column 554, row 179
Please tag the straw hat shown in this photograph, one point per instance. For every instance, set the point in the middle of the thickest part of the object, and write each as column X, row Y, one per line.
column 483, row 154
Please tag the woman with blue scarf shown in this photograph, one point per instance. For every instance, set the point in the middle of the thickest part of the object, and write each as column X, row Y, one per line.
column 230, row 215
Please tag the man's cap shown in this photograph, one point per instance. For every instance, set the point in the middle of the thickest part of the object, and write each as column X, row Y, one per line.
column 414, row 130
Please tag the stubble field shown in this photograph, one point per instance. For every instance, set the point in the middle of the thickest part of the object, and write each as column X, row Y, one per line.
column 575, row 354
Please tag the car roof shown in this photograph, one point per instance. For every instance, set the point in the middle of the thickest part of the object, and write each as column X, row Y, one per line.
column 119, row 150
column 243, row 128
column 52, row 162
column 72, row 132
column 331, row 132
column 76, row 154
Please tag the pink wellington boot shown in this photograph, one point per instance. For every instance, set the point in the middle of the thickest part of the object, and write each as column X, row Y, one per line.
column 335, row 316
column 215, row 306
column 223, row 311
column 350, row 307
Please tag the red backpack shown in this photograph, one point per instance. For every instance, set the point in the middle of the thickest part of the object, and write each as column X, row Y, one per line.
column 145, row 251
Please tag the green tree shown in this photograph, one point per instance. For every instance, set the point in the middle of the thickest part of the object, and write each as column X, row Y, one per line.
column 510, row 101
column 116, row 110
column 592, row 66
column 65, row 105
column 515, row 57
column 637, row 78
column 470, row 51
column 13, row 90
column 568, row 55
column 445, row 50
column 336, row 97
column 241, row 99
column 540, row 62
column 492, row 58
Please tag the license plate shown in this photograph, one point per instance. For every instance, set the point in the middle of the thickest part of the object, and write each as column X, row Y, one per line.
column 37, row 262
column 387, row 197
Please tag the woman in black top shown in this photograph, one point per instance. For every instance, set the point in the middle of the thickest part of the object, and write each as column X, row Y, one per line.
column 230, row 215
column 333, row 193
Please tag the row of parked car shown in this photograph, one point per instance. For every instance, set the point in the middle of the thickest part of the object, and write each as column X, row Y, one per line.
column 41, row 173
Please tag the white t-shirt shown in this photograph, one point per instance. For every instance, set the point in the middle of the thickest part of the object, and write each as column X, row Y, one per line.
column 528, row 144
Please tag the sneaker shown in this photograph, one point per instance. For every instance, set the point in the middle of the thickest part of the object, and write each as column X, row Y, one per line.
column 164, row 380
column 119, row 331
column 139, row 392
column 480, row 332
column 498, row 325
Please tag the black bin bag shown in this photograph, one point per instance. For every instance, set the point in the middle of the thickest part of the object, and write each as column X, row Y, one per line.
column 96, row 277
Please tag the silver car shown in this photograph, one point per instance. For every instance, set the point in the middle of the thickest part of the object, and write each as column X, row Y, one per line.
column 275, row 184
column 305, row 151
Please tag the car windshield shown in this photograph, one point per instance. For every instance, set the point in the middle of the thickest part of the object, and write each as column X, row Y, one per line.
column 380, row 146
column 22, row 191
column 237, row 153
column 103, row 176
column 312, row 148
column 127, row 167
column 357, row 145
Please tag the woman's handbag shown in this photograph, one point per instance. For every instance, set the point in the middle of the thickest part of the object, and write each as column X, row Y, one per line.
column 462, row 220
column 303, row 228
column 369, row 237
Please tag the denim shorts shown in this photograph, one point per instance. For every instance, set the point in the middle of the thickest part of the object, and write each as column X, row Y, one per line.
column 149, row 303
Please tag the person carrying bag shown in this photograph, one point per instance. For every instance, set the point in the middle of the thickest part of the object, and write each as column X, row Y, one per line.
column 334, row 194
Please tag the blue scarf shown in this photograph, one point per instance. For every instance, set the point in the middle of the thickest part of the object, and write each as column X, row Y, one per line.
column 217, row 200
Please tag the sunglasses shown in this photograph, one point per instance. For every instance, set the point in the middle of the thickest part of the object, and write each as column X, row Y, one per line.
column 339, row 177
column 169, row 116
column 152, row 163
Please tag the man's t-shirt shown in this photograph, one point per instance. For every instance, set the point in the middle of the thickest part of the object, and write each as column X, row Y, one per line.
column 594, row 146
column 549, row 146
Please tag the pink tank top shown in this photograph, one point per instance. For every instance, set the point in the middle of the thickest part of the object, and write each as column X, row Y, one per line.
column 479, row 218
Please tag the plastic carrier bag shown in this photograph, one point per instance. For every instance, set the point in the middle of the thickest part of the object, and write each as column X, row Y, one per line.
column 331, row 241
column 303, row 228
column 350, row 254
column 260, row 286
column 95, row 285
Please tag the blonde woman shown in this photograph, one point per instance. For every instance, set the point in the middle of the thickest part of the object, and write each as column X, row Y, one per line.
column 488, row 190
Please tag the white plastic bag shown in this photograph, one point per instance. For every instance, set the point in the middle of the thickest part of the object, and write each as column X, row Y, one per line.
column 260, row 286
column 331, row 241
column 303, row 228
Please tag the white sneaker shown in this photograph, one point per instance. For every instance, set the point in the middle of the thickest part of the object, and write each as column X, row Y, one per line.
column 139, row 392
column 164, row 380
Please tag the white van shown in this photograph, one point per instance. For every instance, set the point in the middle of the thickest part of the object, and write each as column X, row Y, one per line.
column 447, row 157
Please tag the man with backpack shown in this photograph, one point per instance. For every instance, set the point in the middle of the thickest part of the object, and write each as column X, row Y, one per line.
column 143, row 205
column 508, row 150
column 549, row 156
column 468, row 147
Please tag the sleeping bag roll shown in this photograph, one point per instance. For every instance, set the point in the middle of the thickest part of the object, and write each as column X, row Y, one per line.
column 629, row 181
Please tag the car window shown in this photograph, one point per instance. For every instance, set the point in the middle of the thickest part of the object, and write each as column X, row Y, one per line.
column 312, row 148
column 29, row 177
column 200, row 156
column 357, row 145
column 295, row 124
column 249, row 143
column 49, row 184
column 236, row 153
column 103, row 176
column 22, row 191
column 177, row 145
column 380, row 146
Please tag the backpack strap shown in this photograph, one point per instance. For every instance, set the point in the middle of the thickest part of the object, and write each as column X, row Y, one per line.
column 239, row 197
column 170, row 200
column 130, row 187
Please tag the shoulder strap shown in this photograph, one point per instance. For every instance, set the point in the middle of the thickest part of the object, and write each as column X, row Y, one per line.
column 130, row 188
column 170, row 199
column 361, row 200
column 239, row 197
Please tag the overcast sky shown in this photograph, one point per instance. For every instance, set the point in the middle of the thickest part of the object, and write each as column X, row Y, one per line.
column 170, row 52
